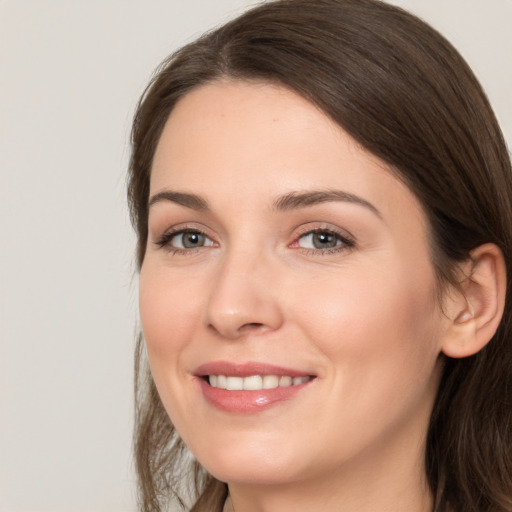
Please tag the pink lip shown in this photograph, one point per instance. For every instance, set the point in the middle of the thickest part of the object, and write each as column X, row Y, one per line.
column 246, row 369
column 247, row 402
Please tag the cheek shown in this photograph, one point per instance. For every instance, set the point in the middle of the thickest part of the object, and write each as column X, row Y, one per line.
column 169, row 316
column 380, row 318
column 168, row 312
column 379, row 333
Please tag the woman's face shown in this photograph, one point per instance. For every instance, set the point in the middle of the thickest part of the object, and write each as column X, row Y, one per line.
column 290, row 266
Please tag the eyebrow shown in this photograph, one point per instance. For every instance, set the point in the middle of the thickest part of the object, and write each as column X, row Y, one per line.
column 182, row 198
column 289, row 201
column 294, row 200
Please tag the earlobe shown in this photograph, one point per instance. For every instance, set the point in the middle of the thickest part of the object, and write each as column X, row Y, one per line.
column 476, row 308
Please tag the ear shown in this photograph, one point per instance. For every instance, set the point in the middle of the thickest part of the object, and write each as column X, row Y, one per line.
column 475, row 308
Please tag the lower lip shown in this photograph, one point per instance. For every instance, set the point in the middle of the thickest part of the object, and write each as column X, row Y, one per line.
column 249, row 402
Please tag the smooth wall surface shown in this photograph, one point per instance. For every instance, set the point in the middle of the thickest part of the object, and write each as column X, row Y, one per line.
column 71, row 73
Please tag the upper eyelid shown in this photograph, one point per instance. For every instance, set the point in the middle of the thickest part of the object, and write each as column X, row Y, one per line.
column 184, row 227
column 162, row 239
column 305, row 230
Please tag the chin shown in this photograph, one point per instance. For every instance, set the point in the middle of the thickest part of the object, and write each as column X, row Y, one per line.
column 252, row 463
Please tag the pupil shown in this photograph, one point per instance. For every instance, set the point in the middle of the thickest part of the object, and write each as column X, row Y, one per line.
column 192, row 239
column 322, row 240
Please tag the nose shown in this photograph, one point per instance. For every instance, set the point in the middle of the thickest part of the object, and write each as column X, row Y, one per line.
column 243, row 297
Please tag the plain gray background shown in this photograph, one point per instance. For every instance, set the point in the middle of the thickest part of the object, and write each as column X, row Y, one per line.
column 71, row 73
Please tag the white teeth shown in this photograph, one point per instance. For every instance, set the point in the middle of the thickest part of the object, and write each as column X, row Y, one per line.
column 234, row 383
column 285, row 381
column 270, row 381
column 254, row 382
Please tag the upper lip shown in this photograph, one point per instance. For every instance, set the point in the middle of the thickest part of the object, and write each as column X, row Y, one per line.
column 247, row 369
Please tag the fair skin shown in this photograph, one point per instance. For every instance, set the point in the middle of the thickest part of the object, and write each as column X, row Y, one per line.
column 336, row 286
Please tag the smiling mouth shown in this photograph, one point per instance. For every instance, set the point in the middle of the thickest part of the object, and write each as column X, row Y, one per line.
column 251, row 387
column 254, row 382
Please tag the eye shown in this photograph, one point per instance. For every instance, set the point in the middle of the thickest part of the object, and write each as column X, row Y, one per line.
column 189, row 240
column 323, row 239
column 185, row 239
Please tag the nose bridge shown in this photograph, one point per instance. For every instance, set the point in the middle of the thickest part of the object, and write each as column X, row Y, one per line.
column 241, row 296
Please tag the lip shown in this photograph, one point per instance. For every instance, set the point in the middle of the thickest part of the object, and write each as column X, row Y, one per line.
column 247, row 369
column 248, row 402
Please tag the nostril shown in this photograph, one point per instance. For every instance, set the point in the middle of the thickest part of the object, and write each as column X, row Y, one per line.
column 238, row 331
column 252, row 325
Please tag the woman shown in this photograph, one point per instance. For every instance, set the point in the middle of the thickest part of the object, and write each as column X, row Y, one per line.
column 321, row 195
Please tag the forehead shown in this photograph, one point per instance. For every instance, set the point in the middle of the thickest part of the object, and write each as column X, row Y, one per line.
column 250, row 141
column 234, row 124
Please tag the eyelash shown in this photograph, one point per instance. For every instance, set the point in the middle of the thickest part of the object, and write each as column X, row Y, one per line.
column 346, row 241
column 165, row 240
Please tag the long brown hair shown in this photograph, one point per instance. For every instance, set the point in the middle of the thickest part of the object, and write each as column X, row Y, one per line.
column 406, row 95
